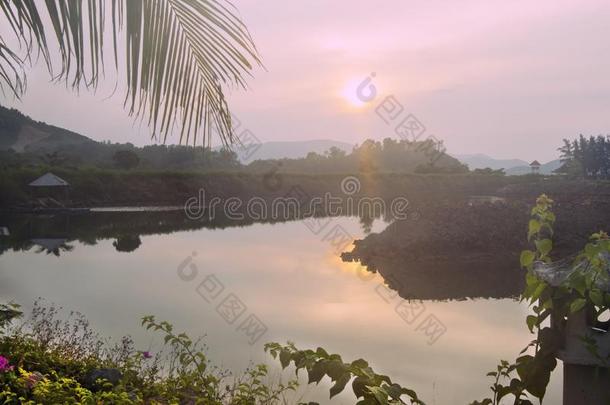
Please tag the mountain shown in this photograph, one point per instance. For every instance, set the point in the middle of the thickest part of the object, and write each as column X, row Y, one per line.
column 22, row 134
column 513, row 167
column 481, row 161
column 295, row 149
column 546, row 168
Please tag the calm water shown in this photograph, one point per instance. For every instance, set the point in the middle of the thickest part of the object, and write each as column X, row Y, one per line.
column 290, row 279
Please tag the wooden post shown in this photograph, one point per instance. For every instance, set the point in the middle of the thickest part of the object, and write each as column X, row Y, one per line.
column 585, row 385
column 586, row 379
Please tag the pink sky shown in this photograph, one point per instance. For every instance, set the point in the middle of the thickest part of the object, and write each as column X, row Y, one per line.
column 509, row 79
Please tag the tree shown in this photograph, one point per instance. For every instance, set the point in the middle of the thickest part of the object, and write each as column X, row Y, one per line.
column 176, row 55
column 127, row 243
column 589, row 158
column 126, row 159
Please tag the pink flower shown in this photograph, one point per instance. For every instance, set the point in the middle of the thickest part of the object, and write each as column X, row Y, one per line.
column 147, row 355
column 4, row 365
column 34, row 379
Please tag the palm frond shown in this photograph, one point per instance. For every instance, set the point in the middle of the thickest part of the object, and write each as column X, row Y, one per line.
column 178, row 55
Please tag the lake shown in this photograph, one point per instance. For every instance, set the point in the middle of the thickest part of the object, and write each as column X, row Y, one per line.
column 290, row 281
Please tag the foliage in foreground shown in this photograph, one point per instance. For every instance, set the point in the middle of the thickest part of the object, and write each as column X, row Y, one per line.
column 528, row 376
column 373, row 388
column 50, row 361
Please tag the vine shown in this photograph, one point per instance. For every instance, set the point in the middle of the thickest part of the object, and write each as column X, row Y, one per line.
column 581, row 290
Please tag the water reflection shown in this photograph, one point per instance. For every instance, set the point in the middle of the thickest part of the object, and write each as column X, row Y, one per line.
column 127, row 243
column 296, row 283
column 470, row 249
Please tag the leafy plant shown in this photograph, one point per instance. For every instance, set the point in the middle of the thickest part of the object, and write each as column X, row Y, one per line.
column 529, row 375
column 8, row 312
column 177, row 54
column 373, row 388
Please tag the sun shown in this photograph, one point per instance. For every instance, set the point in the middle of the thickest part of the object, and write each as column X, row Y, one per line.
column 349, row 93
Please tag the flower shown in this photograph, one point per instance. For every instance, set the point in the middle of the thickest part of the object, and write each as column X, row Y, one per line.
column 33, row 379
column 147, row 355
column 4, row 364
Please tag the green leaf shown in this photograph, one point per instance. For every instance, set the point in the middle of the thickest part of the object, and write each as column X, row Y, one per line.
column 544, row 246
column 527, row 258
column 340, row 384
column 335, row 369
column 539, row 290
column 359, row 386
column 597, row 297
column 317, row 371
column 533, row 228
column 531, row 321
column 394, row 391
column 360, row 363
column 577, row 305
column 380, row 394
column 284, row 358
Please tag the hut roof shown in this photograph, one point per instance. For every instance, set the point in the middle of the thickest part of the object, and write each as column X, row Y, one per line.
column 535, row 163
column 49, row 180
column 50, row 244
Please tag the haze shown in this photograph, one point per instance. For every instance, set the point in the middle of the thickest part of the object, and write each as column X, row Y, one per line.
column 508, row 79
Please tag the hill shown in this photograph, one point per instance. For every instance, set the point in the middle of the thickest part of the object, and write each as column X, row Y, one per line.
column 293, row 149
column 546, row 168
column 23, row 134
column 481, row 161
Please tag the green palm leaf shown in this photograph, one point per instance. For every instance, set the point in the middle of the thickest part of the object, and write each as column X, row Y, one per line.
column 173, row 56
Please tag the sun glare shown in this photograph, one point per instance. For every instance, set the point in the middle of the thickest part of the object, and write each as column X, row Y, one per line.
column 349, row 93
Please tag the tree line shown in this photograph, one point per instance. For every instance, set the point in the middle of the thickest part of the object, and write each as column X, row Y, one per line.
column 586, row 157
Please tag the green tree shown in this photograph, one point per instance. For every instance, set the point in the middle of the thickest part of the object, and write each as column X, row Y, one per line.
column 126, row 159
column 176, row 55
column 589, row 158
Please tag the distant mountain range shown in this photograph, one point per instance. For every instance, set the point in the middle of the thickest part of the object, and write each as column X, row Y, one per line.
column 546, row 168
column 481, row 161
column 296, row 149
column 514, row 167
column 23, row 134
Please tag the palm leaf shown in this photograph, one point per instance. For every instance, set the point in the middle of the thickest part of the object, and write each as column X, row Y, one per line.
column 174, row 56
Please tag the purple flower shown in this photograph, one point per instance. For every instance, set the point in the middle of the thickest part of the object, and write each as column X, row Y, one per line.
column 4, row 365
column 147, row 355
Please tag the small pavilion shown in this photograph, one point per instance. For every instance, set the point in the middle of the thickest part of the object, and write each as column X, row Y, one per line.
column 48, row 183
column 535, row 166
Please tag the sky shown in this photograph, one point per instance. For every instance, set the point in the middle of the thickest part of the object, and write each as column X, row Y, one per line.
column 507, row 79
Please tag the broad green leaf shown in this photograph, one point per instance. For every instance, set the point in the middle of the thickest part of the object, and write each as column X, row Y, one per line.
column 285, row 358
column 380, row 394
column 340, row 384
column 597, row 297
column 527, row 258
column 577, row 304
column 531, row 321
column 317, row 372
column 533, row 228
column 544, row 246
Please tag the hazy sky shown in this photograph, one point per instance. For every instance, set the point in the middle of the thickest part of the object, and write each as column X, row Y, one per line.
column 509, row 79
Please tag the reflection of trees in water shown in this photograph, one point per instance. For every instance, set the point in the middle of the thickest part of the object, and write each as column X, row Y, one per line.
column 124, row 227
column 460, row 250
column 52, row 246
column 366, row 222
column 127, row 243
